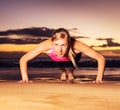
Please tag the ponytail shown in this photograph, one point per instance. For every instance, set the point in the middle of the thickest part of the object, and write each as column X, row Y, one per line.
column 71, row 56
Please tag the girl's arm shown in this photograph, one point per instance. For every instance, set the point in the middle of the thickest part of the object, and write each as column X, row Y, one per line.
column 41, row 48
column 81, row 47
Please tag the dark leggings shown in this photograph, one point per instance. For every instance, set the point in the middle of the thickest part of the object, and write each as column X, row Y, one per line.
column 68, row 65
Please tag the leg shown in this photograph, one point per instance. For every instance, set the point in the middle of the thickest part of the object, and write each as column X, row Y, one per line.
column 63, row 74
column 69, row 72
column 70, row 75
column 71, row 69
column 78, row 57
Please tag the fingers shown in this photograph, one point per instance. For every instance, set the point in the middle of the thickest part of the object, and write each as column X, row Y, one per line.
column 25, row 81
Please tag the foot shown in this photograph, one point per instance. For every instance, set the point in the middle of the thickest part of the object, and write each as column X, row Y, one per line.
column 70, row 77
column 63, row 76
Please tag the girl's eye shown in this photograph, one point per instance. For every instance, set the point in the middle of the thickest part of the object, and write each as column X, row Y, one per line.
column 56, row 44
column 64, row 45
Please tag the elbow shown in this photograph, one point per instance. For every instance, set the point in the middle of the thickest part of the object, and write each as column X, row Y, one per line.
column 22, row 60
column 103, row 60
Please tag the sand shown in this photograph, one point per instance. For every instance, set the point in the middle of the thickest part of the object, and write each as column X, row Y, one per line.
column 59, row 96
column 48, row 93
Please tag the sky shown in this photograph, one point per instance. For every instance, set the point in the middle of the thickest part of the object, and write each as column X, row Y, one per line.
column 90, row 18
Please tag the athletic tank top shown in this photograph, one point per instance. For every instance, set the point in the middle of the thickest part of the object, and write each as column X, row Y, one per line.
column 58, row 59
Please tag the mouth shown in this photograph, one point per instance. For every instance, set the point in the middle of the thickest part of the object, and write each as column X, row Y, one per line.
column 59, row 55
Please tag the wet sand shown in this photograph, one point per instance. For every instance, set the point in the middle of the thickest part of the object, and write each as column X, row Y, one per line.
column 48, row 93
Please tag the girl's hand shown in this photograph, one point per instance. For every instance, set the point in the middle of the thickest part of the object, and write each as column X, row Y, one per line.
column 25, row 81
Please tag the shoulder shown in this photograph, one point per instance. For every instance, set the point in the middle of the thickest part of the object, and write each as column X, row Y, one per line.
column 46, row 43
column 80, row 46
column 43, row 46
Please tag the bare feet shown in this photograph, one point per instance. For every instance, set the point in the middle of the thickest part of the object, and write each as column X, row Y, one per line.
column 63, row 76
column 70, row 77
column 67, row 76
column 25, row 81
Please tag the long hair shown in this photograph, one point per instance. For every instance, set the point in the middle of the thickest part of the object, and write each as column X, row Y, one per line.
column 65, row 34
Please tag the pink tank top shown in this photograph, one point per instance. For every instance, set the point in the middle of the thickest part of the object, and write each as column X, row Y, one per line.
column 58, row 59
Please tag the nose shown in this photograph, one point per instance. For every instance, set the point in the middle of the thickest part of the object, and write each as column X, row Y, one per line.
column 60, row 49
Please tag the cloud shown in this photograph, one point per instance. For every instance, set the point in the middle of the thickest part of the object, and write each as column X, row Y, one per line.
column 32, row 35
column 19, row 41
column 25, row 36
column 43, row 31
column 109, row 41
column 75, row 33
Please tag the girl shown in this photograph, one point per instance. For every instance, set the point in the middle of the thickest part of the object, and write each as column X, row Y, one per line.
column 64, row 50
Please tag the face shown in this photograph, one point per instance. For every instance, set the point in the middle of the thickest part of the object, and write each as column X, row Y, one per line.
column 60, row 47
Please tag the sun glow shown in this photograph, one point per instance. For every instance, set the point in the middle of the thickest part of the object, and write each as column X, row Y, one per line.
column 16, row 48
column 28, row 47
column 108, row 48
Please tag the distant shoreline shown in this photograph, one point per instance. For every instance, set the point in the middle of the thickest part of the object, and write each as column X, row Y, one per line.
column 11, row 59
column 111, row 63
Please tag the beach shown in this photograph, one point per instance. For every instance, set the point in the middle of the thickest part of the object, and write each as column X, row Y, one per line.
column 49, row 33
column 49, row 93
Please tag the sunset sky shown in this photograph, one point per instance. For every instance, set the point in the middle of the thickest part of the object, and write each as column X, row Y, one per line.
column 92, row 18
